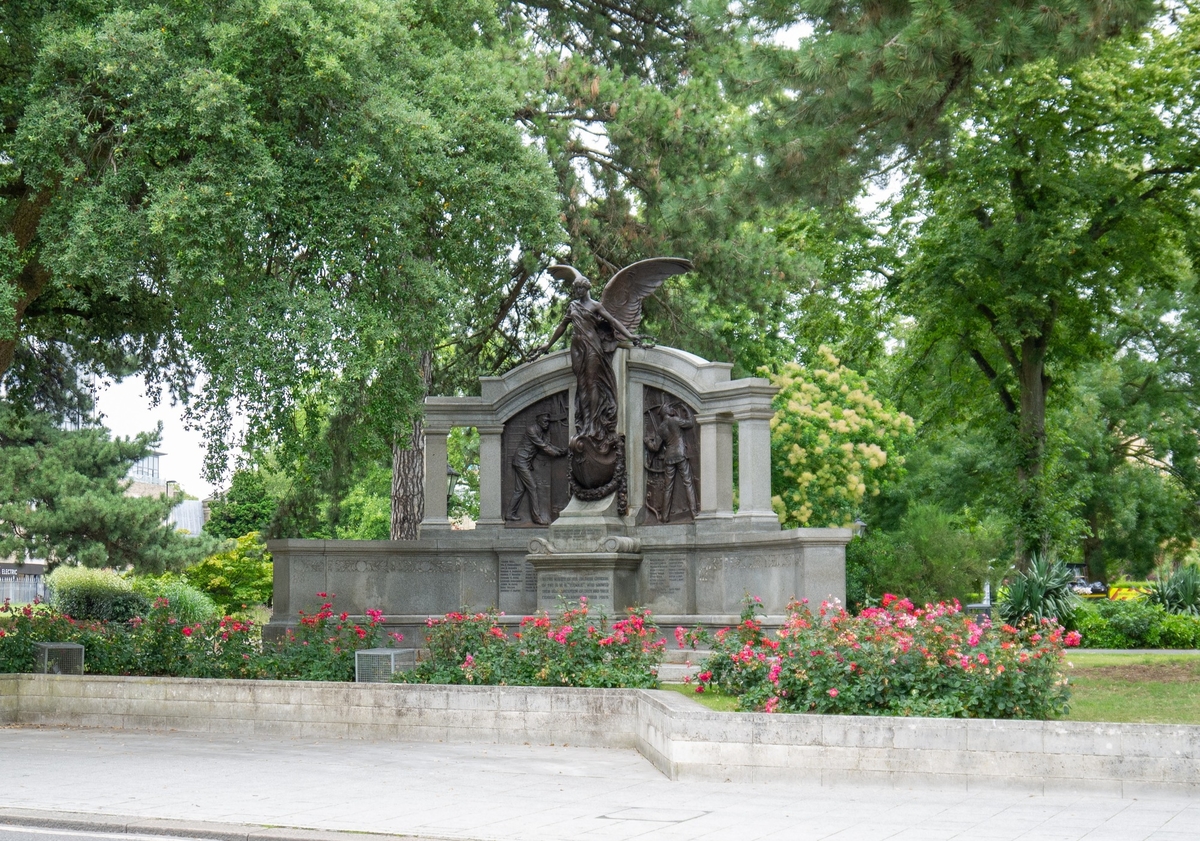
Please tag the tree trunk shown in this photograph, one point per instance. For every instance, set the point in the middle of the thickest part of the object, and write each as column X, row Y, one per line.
column 34, row 277
column 408, row 484
column 408, row 470
column 1093, row 549
column 1033, row 533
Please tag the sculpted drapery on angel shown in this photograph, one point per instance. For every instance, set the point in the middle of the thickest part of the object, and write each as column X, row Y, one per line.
column 597, row 328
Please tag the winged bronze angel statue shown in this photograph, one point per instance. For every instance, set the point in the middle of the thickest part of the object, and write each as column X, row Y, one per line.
column 597, row 453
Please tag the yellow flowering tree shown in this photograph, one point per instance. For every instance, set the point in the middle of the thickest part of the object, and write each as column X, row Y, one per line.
column 833, row 443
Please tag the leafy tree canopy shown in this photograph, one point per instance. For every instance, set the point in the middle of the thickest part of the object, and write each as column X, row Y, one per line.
column 265, row 194
column 1066, row 201
column 868, row 83
column 246, row 507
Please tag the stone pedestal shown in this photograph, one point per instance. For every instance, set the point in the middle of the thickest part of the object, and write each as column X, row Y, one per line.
column 588, row 552
column 607, row 579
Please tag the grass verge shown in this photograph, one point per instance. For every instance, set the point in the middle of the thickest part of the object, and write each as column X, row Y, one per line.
column 710, row 698
column 1141, row 688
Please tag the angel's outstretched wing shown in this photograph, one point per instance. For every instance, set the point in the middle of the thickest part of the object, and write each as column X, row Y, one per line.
column 624, row 292
column 564, row 272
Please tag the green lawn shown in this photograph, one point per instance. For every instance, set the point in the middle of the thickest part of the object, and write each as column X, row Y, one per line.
column 718, row 701
column 1146, row 688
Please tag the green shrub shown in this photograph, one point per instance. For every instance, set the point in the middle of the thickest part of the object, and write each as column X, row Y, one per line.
column 1041, row 592
column 1096, row 630
column 240, row 576
column 94, row 594
column 1132, row 618
column 187, row 604
column 1135, row 623
column 1175, row 630
column 932, row 556
column 1178, row 590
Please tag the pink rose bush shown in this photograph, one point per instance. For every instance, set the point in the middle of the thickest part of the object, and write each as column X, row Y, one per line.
column 575, row 648
column 896, row 659
column 321, row 647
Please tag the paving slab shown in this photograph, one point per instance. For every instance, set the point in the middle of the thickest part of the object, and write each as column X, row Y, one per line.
column 280, row 789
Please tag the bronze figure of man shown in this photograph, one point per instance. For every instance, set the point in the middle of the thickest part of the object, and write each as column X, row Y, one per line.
column 673, row 446
column 535, row 440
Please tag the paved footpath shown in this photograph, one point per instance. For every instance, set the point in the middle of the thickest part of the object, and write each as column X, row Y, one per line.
column 506, row 793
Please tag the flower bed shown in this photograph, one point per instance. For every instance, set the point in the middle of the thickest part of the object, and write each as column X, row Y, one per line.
column 892, row 660
column 158, row 644
column 571, row 649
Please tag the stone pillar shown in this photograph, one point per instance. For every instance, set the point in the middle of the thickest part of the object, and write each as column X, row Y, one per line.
column 754, row 468
column 491, row 511
column 621, row 373
column 635, row 447
column 435, row 480
column 716, row 465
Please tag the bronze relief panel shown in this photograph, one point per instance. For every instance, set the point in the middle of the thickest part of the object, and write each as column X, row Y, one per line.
column 671, row 439
column 533, row 449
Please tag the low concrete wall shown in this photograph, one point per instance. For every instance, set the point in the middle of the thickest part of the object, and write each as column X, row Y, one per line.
column 9, row 698
column 1126, row 760
column 680, row 737
column 411, row 713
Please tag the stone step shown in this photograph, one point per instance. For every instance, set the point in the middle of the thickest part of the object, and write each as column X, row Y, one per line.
column 674, row 654
column 676, row 672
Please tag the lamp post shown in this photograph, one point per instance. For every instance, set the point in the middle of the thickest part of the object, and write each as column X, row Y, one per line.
column 452, row 477
column 860, row 527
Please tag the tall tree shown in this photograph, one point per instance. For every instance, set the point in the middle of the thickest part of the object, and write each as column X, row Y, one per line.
column 1066, row 193
column 251, row 200
column 244, row 508
column 1133, row 423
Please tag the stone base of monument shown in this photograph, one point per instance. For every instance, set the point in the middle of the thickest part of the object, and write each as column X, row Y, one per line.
column 588, row 553
column 608, row 580
column 589, row 527
column 693, row 574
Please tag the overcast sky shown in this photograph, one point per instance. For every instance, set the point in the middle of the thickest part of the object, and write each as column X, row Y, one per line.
column 125, row 409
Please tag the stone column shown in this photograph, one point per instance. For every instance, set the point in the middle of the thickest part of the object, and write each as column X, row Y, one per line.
column 754, row 468
column 621, row 373
column 491, row 511
column 435, row 480
column 635, row 447
column 716, row 465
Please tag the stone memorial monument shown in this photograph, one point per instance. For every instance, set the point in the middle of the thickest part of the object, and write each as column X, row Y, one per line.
column 606, row 471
